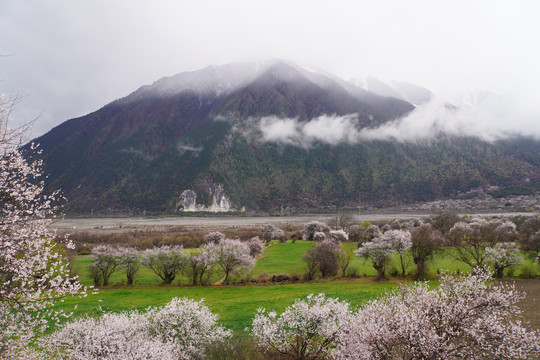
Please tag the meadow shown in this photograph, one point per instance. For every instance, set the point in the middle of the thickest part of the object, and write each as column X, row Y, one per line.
column 236, row 304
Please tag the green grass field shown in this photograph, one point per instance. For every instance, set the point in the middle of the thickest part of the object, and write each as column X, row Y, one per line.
column 279, row 258
column 237, row 304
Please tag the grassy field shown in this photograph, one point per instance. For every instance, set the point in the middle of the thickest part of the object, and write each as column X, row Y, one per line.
column 236, row 305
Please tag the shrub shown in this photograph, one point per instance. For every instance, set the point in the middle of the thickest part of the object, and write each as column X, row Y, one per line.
column 280, row 277
column 528, row 270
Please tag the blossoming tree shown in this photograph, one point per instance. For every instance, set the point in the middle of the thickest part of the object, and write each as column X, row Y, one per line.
column 165, row 261
column 33, row 272
column 378, row 251
column 308, row 329
column 463, row 318
column 502, row 256
column 182, row 329
column 231, row 256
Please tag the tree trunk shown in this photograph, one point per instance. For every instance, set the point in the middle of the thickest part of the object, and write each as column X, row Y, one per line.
column 402, row 265
column 168, row 279
column 420, row 269
column 380, row 273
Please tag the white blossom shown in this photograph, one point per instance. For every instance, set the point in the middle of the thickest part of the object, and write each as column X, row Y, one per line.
column 203, row 262
column 33, row 272
column 503, row 255
column 165, row 261
column 339, row 235
column 105, row 261
column 313, row 227
column 270, row 232
column 188, row 323
column 462, row 318
column 377, row 250
column 214, row 237
column 307, row 329
column 121, row 336
column 231, row 256
column 130, row 262
column 401, row 242
column 256, row 246
column 182, row 329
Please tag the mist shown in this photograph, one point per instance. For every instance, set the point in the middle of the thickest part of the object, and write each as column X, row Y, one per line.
column 486, row 116
column 66, row 66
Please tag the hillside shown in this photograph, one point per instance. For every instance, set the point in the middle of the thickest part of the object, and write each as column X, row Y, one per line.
column 264, row 136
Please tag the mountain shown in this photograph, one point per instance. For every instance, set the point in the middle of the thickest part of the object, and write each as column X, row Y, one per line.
column 262, row 136
column 403, row 90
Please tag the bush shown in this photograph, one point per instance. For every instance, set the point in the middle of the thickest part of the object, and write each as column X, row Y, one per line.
column 353, row 272
column 528, row 270
column 280, row 277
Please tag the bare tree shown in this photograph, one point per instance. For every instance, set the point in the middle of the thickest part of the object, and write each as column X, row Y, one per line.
column 345, row 254
column 470, row 239
column 444, row 221
column 425, row 242
column 342, row 221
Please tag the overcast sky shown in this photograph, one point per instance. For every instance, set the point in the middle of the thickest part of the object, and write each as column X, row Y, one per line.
column 71, row 57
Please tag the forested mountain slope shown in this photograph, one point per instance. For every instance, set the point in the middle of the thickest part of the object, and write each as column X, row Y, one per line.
column 264, row 136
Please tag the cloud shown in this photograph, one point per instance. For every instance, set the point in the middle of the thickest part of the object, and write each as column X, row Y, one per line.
column 483, row 115
column 330, row 129
column 486, row 116
column 187, row 146
column 68, row 66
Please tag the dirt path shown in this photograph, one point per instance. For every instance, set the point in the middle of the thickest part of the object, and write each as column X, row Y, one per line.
column 531, row 304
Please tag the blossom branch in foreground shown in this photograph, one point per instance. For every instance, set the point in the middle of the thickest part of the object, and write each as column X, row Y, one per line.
column 33, row 271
